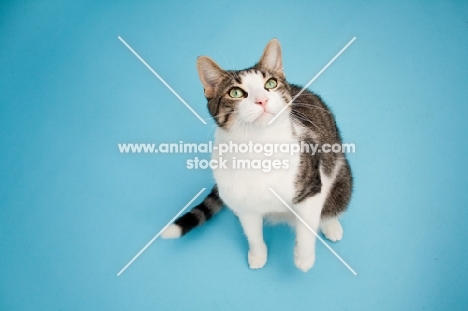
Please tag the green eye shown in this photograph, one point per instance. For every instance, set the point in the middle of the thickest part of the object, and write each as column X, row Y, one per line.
column 271, row 84
column 236, row 92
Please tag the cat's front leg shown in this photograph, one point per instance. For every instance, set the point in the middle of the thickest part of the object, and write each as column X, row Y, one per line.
column 252, row 223
column 304, row 252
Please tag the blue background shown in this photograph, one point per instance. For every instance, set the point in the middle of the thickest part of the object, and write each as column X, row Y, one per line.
column 74, row 211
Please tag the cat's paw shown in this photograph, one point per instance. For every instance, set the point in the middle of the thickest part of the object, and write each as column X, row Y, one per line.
column 304, row 263
column 172, row 232
column 332, row 229
column 257, row 260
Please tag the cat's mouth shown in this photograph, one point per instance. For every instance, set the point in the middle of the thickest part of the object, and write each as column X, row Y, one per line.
column 258, row 117
column 264, row 117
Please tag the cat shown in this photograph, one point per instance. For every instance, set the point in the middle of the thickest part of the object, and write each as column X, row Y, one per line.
column 317, row 186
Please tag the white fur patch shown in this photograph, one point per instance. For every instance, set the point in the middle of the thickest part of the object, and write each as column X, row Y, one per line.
column 246, row 190
column 332, row 229
column 304, row 263
column 172, row 232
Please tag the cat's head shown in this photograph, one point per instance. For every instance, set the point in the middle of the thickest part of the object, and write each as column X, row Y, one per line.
column 251, row 96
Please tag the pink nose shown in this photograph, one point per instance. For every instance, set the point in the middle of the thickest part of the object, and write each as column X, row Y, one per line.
column 261, row 101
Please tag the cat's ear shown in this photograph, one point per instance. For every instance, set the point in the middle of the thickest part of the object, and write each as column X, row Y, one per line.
column 271, row 58
column 210, row 75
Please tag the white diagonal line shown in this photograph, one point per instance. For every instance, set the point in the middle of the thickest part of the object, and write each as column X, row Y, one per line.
column 313, row 79
column 313, row 231
column 159, row 233
column 162, row 80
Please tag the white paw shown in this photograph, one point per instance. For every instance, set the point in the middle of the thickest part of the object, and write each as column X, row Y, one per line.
column 332, row 229
column 304, row 263
column 257, row 260
column 172, row 232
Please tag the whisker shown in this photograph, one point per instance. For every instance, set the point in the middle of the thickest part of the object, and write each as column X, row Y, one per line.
column 211, row 129
column 303, row 117
column 232, row 73
column 217, row 116
column 316, row 107
column 310, row 106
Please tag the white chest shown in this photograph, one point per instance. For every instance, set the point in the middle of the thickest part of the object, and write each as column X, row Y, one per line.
column 245, row 181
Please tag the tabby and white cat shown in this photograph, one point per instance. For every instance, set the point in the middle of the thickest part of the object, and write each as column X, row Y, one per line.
column 317, row 186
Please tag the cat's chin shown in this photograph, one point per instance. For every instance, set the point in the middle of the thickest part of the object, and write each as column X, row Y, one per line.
column 263, row 119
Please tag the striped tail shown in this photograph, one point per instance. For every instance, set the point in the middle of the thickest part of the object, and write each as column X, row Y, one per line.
column 211, row 205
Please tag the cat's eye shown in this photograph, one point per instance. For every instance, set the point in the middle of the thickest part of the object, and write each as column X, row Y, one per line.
column 236, row 92
column 271, row 84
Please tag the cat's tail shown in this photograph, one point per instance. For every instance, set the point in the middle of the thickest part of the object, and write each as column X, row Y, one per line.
column 211, row 205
